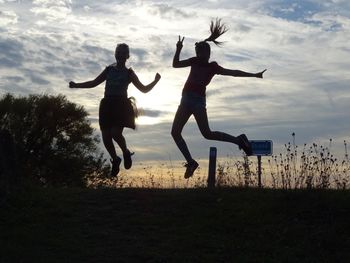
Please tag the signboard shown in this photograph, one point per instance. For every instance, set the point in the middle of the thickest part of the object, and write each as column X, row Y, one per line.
column 261, row 147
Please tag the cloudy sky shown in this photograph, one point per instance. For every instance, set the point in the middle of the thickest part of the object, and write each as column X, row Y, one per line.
column 304, row 45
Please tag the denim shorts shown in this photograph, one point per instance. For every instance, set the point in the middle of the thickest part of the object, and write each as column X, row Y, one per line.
column 192, row 101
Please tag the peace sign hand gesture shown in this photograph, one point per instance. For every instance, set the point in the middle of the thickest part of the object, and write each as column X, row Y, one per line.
column 179, row 43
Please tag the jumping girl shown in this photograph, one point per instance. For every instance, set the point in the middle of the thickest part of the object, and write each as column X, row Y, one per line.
column 193, row 99
column 116, row 109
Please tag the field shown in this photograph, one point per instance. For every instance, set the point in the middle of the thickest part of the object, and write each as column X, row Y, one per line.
column 175, row 225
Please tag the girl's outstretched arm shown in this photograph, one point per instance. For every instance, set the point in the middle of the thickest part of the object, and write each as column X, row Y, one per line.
column 144, row 88
column 240, row 73
column 90, row 84
column 177, row 63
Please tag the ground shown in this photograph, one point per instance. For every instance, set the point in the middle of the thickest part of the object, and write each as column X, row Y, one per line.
column 176, row 225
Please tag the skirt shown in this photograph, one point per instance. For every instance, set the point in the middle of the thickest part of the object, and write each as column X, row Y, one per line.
column 117, row 112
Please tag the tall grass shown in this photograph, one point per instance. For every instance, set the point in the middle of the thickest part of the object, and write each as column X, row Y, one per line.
column 233, row 172
column 314, row 167
column 307, row 167
column 145, row 175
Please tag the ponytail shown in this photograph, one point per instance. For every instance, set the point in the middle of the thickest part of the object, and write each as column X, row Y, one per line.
column 217, row 29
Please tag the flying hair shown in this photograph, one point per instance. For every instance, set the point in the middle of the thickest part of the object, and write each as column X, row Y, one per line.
column 217, row 29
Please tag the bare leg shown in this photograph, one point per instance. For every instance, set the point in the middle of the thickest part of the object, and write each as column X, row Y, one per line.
column 108, row 143
column 181, row 117
column 117, row 134
column 203, row 125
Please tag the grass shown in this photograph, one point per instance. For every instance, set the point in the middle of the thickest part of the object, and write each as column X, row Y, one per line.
column 297, row 167
column 175, row 225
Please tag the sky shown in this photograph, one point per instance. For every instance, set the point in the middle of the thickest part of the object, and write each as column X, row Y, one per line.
column 304, row 45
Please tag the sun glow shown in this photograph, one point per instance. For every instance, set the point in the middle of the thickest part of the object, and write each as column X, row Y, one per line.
column 144, row 120
column 158, row 105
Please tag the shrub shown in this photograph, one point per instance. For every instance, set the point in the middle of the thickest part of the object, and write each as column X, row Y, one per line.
column 53, row 138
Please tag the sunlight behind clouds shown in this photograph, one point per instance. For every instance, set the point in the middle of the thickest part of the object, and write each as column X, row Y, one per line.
column 304, row 45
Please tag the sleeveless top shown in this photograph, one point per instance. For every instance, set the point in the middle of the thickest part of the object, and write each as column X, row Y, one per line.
column 200, row 76
column 117, row 81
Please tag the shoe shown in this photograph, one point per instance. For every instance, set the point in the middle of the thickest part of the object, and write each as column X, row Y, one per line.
column 190, row 168
column 127, row 159
column 115, row 166
column 245, row 145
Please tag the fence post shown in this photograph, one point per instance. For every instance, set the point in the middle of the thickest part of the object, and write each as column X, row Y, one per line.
column 212, row 167
column 259, row 171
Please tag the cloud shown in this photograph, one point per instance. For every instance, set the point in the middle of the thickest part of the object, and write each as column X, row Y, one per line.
column 238, row 58
column 151, row 112
column 8, row 18
column 51, row 10
column 11, row 53
column 169, row 12
column 303, row 44
column 37, row 80
column 242, row 28
column 13, row 79
column 140, row 53
column 293, row 10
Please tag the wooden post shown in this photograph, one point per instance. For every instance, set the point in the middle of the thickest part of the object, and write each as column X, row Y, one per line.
column 259, row 171
column 212, row 167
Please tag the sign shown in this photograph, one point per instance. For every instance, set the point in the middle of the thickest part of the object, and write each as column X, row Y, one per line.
column 261, row 147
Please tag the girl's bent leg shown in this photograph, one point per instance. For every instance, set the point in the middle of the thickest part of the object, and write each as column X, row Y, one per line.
column 181, row 117
column 108, row 143
column 202, row 121
column 203, row 125
column 117, row 134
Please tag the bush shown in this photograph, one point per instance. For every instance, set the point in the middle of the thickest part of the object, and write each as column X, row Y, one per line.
column 53, row 139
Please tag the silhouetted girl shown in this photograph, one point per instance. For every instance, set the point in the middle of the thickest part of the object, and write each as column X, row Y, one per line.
column 193, row 99
column 116, row 109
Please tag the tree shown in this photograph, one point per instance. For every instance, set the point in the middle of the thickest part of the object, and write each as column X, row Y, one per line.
column 53, row 138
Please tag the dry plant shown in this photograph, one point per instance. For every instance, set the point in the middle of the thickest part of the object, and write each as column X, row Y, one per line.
column 314, row 167
column 306, row 167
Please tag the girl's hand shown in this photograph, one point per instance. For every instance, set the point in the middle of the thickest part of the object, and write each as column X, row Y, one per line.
column 157, row 77
column 72, row 84
column 260, row 74
column 179, row 43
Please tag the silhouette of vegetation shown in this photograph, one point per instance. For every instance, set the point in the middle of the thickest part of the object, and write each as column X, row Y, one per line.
column 53, row 139
column 8, row 175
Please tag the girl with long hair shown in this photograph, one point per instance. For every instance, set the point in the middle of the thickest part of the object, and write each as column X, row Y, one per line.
column 193, row 99
column 116, row 109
